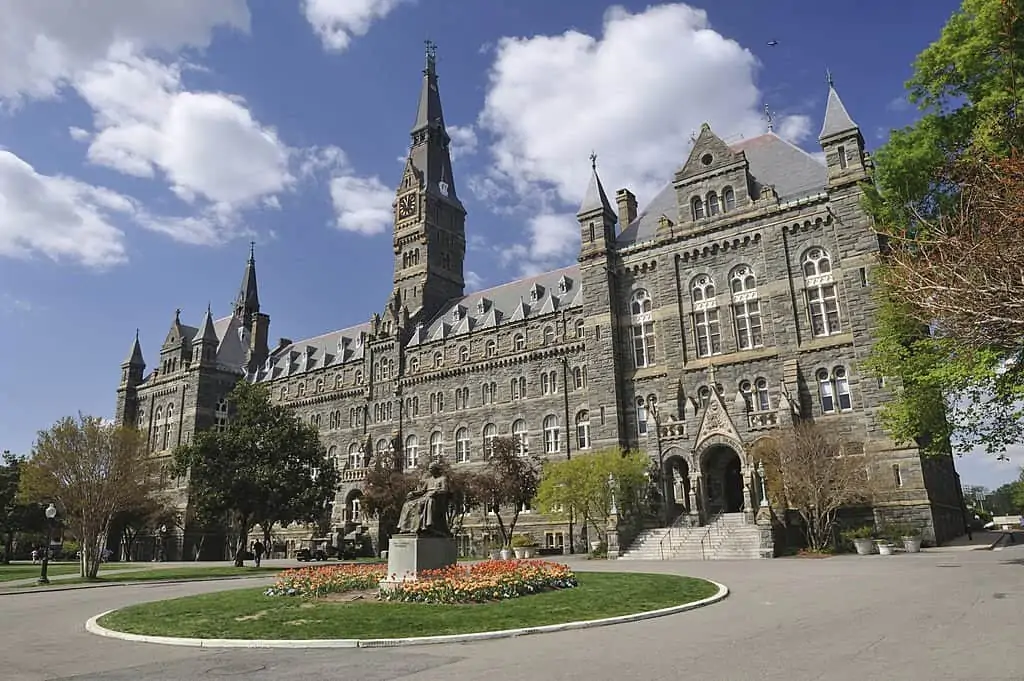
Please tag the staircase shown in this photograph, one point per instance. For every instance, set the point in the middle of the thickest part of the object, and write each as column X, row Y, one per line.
column 727, row 537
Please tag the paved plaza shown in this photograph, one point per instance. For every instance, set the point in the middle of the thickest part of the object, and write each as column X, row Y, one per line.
column 930, row 617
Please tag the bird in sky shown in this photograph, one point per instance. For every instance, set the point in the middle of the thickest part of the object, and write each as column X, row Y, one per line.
column 773, row 43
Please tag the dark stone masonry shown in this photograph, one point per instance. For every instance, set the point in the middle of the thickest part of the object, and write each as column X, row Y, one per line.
column 736, row 301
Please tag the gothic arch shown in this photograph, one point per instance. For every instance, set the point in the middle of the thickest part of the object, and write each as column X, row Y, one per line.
column 718, row 440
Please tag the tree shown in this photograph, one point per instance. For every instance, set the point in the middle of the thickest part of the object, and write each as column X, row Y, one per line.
column 819, row 476
column 91, row 470
column 148, row 513
column 507, row 482
column 15, row 516
column 385, row 489
column 265, row 467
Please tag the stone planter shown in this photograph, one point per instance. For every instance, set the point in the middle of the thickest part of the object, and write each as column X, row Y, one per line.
column 912, row 544
column 886, row 549
column 865, row 547
column 521, row 552
column 494, row 555
column 506, row 554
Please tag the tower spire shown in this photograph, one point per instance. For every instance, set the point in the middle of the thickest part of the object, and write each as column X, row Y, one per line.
column 429, row 152
column 248, row 301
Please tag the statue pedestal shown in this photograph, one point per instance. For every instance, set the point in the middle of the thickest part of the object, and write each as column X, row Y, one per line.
column 411, row 554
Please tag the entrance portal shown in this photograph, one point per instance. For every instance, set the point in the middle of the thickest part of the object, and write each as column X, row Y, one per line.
column 724, row 481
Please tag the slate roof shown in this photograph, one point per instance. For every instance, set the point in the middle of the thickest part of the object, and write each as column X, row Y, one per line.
column 837, row 118
column 772, row 161
column 330, row 349
column 515, row 301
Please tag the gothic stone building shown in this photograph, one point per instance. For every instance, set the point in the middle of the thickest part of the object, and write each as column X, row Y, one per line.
column 737, row 300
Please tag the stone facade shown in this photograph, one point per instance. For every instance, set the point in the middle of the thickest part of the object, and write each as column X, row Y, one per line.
column 737, row 301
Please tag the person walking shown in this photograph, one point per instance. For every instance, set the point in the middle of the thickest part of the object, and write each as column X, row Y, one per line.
column 257, row 551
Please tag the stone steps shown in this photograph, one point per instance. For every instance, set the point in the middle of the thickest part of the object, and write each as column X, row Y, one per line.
column 730, row 538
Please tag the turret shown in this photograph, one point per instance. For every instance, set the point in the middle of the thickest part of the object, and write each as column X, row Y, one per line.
column 596, row 216
column 204, row 346
column 842, row 142
column 132, row 370
column 175, row 353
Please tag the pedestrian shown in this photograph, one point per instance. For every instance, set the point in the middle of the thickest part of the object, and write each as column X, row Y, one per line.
column 35, row 556
column 257, row 551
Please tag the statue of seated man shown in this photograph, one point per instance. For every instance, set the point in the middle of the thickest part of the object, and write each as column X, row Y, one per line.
column 425, row 510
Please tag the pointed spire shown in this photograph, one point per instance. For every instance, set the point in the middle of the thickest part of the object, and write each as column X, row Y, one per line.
column 135, row 354
column 595, row 198
column 248, row 302
column 837, row 119
column 207, row 333
column 429, row 112
column 429, row 153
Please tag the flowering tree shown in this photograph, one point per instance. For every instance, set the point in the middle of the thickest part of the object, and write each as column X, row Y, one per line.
column 506, row 483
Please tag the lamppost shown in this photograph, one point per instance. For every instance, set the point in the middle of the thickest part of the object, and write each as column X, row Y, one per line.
column 760, row 477
column 662, row 477
column 50, row 513
column 162, row 548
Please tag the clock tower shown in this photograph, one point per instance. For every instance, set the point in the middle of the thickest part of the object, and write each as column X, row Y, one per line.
column 430, row 221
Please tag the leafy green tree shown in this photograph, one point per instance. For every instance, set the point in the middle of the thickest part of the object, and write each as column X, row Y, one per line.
column 506, row 483
column 265, row 467
column 385, row 489
column 16, row 517
column 91, row 470
column 581, row 486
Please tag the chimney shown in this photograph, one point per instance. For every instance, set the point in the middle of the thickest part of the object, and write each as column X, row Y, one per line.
column 627, row 207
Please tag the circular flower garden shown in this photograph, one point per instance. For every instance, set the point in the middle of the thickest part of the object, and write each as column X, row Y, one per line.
column 492, row 580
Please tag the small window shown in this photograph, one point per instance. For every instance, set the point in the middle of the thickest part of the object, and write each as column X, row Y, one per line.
column 519, row 342
column 438, row 360
column 728, row 199
column 464, row 354
column 549, row 335
column 863, row 276
column 580, row 329
column 842, row 158
column 897, row 475
column 491, row 348
column 712, row 204
column 697, row 208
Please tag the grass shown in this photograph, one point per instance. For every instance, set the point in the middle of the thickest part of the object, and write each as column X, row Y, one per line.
column 174, row 573
column 247, row 613
column 9, row 573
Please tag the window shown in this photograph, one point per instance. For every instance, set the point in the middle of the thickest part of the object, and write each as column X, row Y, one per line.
column 301, row 389
column 712, row 204
column 170, row 411
column 412, row 451
column 464, row 354
column 746, row 308
column 590, row 228
column 834, row 390
column 841, row 151
column 641, row 417
column 728, row 199
column 319, row 385
column 220, row 416
column 641, row 313
column 842, row 388
column 382, row 449
column 763, row 401
column 583, row 430
column 355, row 456
column 414, row 364
column 746, row 390
column 549, row 335
column 863, row 277
column 356, row 509
column 486, row 393
column 462, row 445
column 521, row 435
column 519, row 342
column 704, row 396
column 519, row 388
column 580, row 329
column 897, row 475
column 822, row 301
column 490, row 432
column 491, row 349
column 284, row 394
column 438, row 360
column 697, row 208
column 551, row 431
column 577, row 378
column 707, row 327
column 436, row 445
column 359, row 377
column 548, row 383
column 314, row 420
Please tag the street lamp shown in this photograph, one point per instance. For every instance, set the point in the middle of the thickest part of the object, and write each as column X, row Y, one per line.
column 50, row 513
column 760, row 477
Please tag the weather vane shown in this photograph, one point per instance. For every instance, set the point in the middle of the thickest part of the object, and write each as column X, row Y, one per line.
column 593, row 160
column 828, row 77
column 770, row 117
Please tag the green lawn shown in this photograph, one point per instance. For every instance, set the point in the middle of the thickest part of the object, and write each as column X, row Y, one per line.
column 155, row 574
column 9, row 573
column 247, row 613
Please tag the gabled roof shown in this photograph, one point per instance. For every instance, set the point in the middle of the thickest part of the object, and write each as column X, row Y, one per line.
column 505, row 304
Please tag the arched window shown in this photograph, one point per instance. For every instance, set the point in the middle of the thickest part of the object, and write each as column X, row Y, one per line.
column 583, row 430
column 491, row 349
column 355, row 456
column 704, row 396
column 712, row 204
column 697, row 208
column 728, row 199
column 359, row 377
column 412, row 452
column 283, row 394
column 462, row 445
column 577, row 377
column 158, row 414
column 220, row 416
column 414, row 364
column 436, row 445
column 549, row 335
column 763, row 401
column 332, row 456
column 834, row 390
column 464, row 354
column 519, row 342
column 490, row 432
column 642, row 320
column 820, row 287
column 746, row 308
column 580, row 329
column 170, row 411
column 707, row 326
column 641, row 416
column 301, row 389
column 382, row 449
column 551, row 430
column 438, row 360
column 747, row 391
column 521, row 436
column 519, row 388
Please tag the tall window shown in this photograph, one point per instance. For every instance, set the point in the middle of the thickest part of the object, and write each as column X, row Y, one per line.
column 490, row 349
column 834, row 390
column 728, row 199
column 697, row 208
column 641, row 417
column 707, row 327
column 332, row 456
column 382, row 448
column 519, row 388
column 521, row 436
column 436, row 445
column 822, row 300
column 462, row 398
column 583, row 430
column 490, row 432
column 548, row 383
column 355, row 456
column 712, row 204
column 519, row 342
column 462, row 445
column 412, row 451
column 220, row 416
column 641, row 315
column 464, row 354
column 549, row 335
column 438, row 360
column 579, row 378
column 747, row 391
column 763, row 399
column 551, row 431
column 580, row 328
column 746, row 308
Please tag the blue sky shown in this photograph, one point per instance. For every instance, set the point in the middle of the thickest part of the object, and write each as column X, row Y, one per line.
column 143, row 144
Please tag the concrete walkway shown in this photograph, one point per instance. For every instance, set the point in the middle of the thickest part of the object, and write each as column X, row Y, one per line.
column 934, row 616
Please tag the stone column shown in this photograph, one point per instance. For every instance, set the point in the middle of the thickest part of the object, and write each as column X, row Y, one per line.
column 748, row 504
column 694, row 508
column 613, row 534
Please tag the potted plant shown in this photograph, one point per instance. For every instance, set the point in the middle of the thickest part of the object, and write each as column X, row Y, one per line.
column 523, row 545
column 885, row 547
column 910, row 535
column 506, row 553
column 861, row 538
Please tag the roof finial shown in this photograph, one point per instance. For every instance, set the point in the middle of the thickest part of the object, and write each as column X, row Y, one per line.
column 770, row 117
column 209, row 308
column 593, row 161
column 431, row 50
column 252, row 250
column 136, row 335
column 828, row 77
column 177, row 314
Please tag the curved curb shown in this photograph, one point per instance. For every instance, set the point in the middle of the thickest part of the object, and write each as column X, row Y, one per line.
column 92, row 626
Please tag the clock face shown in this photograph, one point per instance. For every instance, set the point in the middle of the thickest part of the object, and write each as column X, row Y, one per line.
column 406, row 206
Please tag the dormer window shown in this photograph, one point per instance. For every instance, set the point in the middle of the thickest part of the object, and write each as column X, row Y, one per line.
column 564, row 284
column 481, row 306
column 536, row 291
column 457, row 314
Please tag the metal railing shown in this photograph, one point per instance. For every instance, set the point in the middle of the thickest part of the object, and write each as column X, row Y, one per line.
column 714, row 527
column 666, row 538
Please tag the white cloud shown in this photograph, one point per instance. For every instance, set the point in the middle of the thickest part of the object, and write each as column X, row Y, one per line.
column 59, row 217
column 14, row 304
column 79, row 134
column 796, row 129
column 464, row 141
column 362, row 204
column 552, row 238
column 634, row 95
column 337, row 22
column 45, row 43
column 474, row 282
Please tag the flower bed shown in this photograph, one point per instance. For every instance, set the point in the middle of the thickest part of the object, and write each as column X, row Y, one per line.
column 314, row 582
column 492, row 580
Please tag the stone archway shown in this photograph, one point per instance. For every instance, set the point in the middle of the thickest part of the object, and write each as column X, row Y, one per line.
column 677, row 482
column 722, row 474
